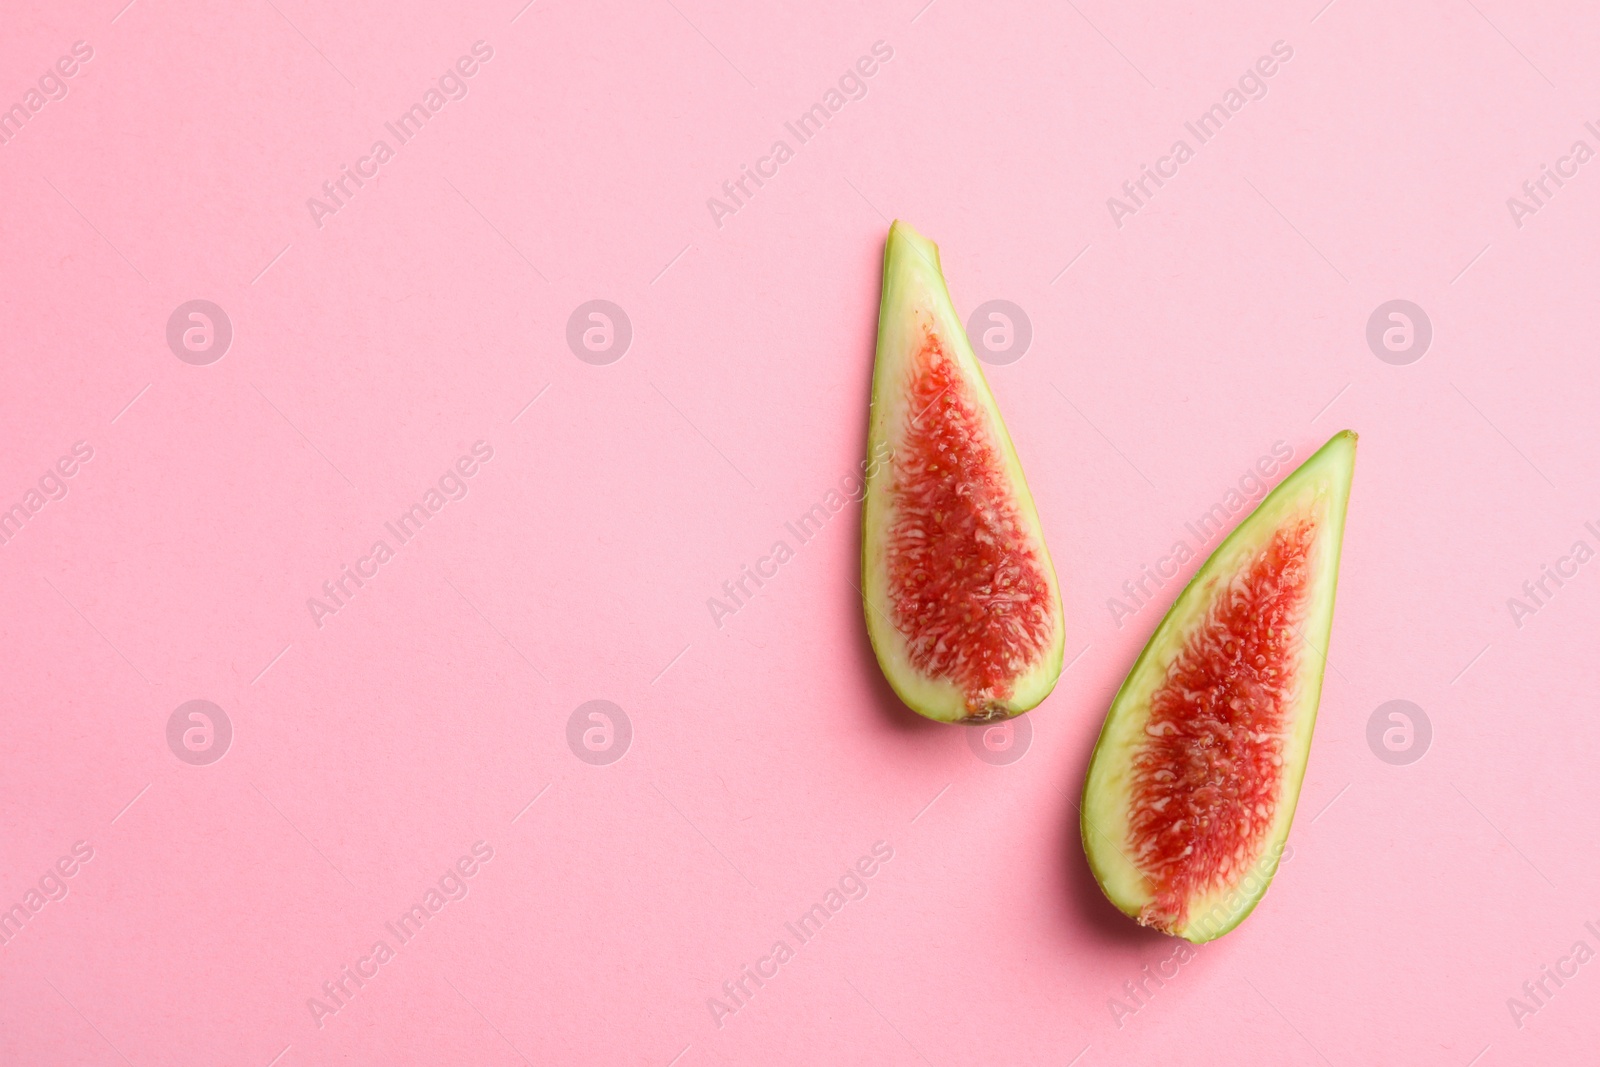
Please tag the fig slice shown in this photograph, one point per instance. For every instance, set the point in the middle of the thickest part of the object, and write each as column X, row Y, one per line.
column 1193, row 783
column 960, row 596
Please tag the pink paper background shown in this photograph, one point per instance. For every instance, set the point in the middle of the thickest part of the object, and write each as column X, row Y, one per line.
column 369, row 353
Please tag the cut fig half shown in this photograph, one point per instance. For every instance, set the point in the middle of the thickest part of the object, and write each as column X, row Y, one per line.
column 960, row 596
column 1193, row 783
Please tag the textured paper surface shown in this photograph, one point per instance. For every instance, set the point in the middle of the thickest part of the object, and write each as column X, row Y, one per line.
column 595, row 481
